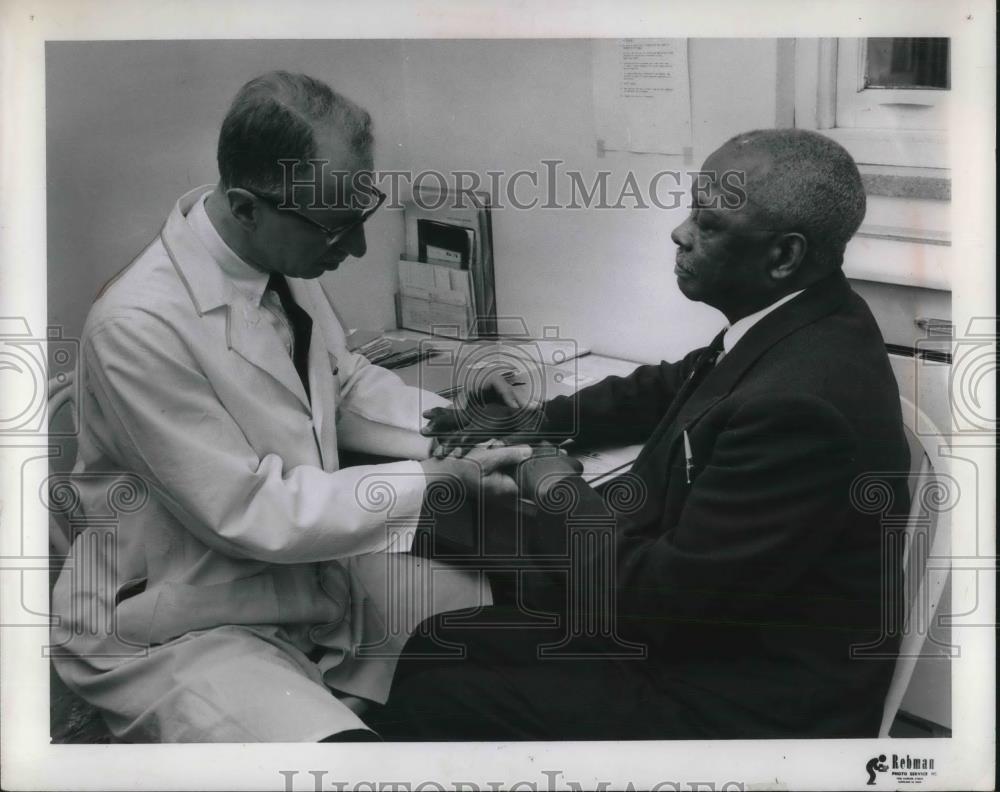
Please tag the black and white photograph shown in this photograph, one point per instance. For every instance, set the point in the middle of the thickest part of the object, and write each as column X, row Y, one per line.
column 498, row 396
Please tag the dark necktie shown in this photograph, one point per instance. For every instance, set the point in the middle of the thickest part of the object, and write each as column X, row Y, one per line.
column 702, row 366
column 301, row 324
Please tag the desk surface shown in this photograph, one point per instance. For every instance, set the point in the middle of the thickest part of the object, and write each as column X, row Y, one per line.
column 546, row 367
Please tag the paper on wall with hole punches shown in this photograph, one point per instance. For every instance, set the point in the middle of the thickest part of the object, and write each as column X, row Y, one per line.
column 642, row 95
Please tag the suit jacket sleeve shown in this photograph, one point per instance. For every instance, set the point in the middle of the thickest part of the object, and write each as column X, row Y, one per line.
column 619, row 410
column 763, row 509
column 194, row 453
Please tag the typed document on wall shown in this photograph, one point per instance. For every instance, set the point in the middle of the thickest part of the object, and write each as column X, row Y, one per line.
column 642, row 95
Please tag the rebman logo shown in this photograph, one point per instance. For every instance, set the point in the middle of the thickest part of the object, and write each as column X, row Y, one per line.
column 904, row 769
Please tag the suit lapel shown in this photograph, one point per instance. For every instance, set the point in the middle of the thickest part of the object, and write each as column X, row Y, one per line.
column 817, row 301
column 698, row 373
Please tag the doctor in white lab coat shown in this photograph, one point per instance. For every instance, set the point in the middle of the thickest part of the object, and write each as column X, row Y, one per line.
column 229, row 582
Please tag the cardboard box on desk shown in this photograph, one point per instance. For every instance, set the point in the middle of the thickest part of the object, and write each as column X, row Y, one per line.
column 456, row 228
column 435, row 298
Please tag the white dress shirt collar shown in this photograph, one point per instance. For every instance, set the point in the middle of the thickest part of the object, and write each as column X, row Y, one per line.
column 741, row 327
column 251, row 282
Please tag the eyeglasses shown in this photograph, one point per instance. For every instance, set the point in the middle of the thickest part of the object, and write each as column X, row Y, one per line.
column 333, row 235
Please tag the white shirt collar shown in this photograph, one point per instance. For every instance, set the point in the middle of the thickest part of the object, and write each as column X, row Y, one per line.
column 740, row 327
column 251, row 282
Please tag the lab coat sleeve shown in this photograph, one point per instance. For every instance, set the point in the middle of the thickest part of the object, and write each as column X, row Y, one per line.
column 378, row 413
column 166, row 422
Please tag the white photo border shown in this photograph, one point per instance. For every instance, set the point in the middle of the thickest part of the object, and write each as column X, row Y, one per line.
column 29, row 761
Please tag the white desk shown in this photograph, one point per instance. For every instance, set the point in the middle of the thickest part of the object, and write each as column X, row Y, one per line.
column 602, row 464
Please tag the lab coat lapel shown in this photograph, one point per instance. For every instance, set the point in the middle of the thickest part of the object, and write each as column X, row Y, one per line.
column 247, row 333
column 255, row 340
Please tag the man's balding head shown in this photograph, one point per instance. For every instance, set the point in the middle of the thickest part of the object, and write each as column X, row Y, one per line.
column 281, row 115
column 802, row 181
column 772, row 216
column 293, row 156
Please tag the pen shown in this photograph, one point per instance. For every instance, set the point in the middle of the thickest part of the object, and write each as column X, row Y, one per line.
column 511, row 377
column 688, row 457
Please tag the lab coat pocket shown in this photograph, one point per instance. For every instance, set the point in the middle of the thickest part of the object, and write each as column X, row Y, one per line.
column 181, row 608
column 129, row 589
column 134, row 613
column 281, row 594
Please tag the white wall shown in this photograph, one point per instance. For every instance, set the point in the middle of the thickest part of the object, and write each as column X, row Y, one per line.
column 603, row 276
column 132, row 125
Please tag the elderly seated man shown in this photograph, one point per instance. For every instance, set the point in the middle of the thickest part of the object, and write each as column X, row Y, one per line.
column 727, row 587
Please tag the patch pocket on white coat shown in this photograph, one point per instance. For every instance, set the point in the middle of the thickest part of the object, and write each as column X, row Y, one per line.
column 130, row 589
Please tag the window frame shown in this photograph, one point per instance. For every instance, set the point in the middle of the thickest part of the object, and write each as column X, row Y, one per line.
column 826, row 67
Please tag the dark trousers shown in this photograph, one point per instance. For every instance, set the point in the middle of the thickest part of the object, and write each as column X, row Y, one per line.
column 486, row 675
column 503, row 689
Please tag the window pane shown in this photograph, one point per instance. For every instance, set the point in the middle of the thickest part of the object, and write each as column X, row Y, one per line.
column 907, row 63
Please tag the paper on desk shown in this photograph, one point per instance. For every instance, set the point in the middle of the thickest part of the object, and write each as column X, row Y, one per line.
column 603, row 464
column 576, row 380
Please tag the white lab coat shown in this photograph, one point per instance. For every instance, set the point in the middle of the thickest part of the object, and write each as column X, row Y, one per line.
column 218, row 539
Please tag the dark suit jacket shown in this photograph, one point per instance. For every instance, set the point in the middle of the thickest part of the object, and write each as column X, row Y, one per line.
column 751, row 584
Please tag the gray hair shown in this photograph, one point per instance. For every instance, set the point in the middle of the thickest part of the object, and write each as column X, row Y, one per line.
column 275, row 116
column 813, row 187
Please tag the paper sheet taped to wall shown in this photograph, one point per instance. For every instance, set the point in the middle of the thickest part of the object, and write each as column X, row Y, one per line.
column 642, row 95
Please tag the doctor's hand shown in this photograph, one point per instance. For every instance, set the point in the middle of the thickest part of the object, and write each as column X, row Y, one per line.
column 457, row 429
column 481, row 470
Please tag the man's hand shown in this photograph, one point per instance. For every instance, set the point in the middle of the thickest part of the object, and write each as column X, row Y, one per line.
column 490, row 408
column 546, row 467
column 484, row 470
column 498, row 386
column 457, row 429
